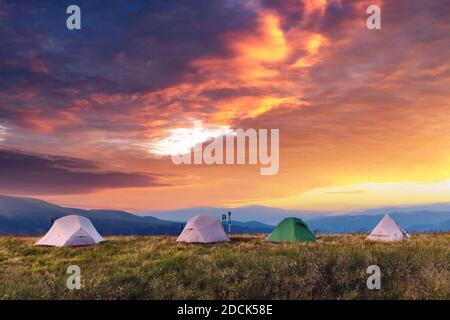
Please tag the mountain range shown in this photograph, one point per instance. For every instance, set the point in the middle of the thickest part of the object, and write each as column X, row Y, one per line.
column 29, row 216
column 266, row 215
column 420, row 218
column 414, row 221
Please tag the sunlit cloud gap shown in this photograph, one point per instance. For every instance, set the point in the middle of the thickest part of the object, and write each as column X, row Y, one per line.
column 3, row 132
column 180, row 141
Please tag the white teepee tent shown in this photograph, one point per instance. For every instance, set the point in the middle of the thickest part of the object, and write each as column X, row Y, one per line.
column 388, row 230
column 71, row 231
column 203, row 229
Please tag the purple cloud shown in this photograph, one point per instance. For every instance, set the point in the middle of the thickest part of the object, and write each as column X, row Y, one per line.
column 27, row 173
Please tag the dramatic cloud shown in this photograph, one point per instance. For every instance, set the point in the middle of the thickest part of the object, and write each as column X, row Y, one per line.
column 25, row 173
column 353, row 105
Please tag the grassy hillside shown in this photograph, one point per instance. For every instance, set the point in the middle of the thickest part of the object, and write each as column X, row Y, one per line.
column 158, row 268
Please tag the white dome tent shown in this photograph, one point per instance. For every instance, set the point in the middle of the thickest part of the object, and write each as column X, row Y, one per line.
column 71, row 231
column 388, row 230
column 203, row 229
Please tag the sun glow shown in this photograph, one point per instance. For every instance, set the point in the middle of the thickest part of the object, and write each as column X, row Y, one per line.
column 3, row 132
column 180, row 141
column 366, row 195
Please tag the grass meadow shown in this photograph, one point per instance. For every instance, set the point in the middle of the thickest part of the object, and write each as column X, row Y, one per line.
column 334, row 267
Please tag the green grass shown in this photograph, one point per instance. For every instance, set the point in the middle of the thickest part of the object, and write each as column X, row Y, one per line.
column 334, row 267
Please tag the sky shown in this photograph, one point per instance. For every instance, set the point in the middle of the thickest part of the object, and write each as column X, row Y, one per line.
column 88, row 118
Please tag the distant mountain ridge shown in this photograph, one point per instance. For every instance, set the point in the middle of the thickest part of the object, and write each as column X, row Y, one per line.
column 416, row 221
column 421, row 218
column 29, row 216
column 262, row 214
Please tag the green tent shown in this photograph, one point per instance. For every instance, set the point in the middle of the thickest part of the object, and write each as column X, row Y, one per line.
column 291, row 230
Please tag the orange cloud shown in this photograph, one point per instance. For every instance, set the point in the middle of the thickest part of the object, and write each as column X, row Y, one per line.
column 35, row 119
column 312, row 45
column 312, row 6
column 268, row 45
